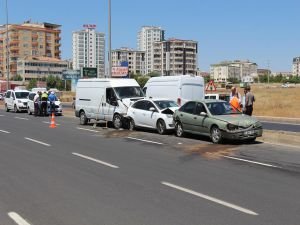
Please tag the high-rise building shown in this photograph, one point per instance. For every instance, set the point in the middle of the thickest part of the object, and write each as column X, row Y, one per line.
column 135, row 59
column 146, row 37
column 296, row 66
column 89, row 49
column 27, row 39
column 237, row 69
column 175, row 57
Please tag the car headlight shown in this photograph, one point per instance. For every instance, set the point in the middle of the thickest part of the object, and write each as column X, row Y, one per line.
column 169, row 115
column 232, row 127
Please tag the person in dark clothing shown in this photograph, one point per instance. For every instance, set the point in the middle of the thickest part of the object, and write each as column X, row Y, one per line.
column 249, row 101
column 44, row 104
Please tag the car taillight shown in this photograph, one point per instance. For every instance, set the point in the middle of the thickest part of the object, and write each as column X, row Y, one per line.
column 179, row 101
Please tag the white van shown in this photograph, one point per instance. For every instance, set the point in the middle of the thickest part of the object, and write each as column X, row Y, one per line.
column 105, row 99
column 16, row 100
column 181, row 88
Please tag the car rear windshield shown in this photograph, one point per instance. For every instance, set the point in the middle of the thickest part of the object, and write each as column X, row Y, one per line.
column 22, row 95
column 221, row 108
column 129, row 92
column 163, row 104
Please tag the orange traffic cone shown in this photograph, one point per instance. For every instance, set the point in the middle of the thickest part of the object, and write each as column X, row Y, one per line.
column 52, row 124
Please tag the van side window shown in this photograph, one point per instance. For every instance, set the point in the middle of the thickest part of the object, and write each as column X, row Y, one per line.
column 110, row 96
column 8, row 94
column 145, row 90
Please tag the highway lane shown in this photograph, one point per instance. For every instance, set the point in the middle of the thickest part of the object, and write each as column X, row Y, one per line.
column 163, row 183
column 283, row 126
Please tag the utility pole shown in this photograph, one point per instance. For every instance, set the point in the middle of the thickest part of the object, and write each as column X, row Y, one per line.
column 7, row 50
column 109, row 39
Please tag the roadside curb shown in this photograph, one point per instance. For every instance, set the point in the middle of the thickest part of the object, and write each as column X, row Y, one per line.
column 285, row 138
column 278, row 119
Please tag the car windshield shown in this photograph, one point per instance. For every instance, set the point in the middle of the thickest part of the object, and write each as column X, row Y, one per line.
column 221, row 108
column 162, row 104
column 22, row 95
column 129, row 92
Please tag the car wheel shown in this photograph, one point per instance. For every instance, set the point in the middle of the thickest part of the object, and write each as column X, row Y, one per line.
column 179, row 129
column 28, row 111
column 215, row 135
column 83, row 120
column 16, row 109
column 131, row 124
column 6, row 108
column 117, row 121
column 161, row 126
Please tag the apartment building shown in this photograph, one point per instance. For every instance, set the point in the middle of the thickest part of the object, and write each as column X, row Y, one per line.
column 134, row 58
column 145, row 39
column 237, row 69
column 296, row 66
column 89, row 49
column 27, row 39
column 175, row 57
column 40, row 67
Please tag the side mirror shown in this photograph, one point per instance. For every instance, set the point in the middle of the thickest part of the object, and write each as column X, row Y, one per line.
column 152, row 109
column 203, row 114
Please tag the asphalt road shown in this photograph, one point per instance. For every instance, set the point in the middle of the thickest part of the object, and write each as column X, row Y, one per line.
column 75, row 175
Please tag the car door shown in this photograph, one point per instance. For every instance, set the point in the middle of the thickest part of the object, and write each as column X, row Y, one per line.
column 110, row 105
column 186, row 114
column 137, row 112
column 150, row 116
column 199, row 120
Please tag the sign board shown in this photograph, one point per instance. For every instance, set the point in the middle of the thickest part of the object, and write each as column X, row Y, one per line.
column 71, row 74
column 210, row 86
column 89, row 72
column 119, row 71
column 89, row 26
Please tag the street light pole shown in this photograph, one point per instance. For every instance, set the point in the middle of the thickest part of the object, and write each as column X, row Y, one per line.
column 7, row 49
column 109, row 39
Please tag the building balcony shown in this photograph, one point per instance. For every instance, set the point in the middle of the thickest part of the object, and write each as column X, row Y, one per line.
column 14, row 41
column 14, row 48
column 57, row 38
column 34, row 35
column 14, row 36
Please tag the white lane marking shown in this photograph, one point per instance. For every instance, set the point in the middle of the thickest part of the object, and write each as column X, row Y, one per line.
column 209, row 198
column 4, row 131
column 1, row 115
column 95, row 131
column 21, row 118
column 249, row 161
column 49, row 123
column 153, row 142
column 283, row 123
column 39, row 142
column 285, row 145
column 17, row 218
column 95, row 160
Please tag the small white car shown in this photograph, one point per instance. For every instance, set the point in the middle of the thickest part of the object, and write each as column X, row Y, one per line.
column 16, row 100
column 152, row 113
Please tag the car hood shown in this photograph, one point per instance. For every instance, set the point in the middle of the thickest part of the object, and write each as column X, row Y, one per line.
column 240, row 120
column 22, row 99
column 129, row 101
column 169, row 110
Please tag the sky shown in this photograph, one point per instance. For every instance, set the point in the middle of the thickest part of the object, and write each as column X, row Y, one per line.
column 266, row 32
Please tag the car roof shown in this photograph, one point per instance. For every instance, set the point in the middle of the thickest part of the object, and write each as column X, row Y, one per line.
column 209, row 100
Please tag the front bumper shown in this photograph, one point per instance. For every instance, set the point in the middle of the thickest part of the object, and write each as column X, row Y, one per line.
column 243, row 134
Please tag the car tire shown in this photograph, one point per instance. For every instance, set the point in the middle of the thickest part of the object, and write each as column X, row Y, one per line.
column 179, row 132
column 82, row 118
column 161, row 126
column 117, row 121
column 6, row 108
column 215, row 135
column 16, row 109
column 131, row 125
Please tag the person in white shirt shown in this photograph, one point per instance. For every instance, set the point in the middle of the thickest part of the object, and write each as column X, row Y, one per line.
column 36, row 100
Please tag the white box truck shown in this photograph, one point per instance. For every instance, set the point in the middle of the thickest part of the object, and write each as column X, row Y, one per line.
column 181, row 88
column 105, row 99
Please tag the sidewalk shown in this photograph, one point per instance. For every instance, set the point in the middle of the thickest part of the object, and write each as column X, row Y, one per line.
column 278, row 119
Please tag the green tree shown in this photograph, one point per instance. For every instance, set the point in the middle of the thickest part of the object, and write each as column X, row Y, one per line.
column 31, row 84
column 153, row 74
column 17, row 78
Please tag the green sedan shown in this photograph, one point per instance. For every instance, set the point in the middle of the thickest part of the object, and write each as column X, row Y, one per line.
column 216, row 119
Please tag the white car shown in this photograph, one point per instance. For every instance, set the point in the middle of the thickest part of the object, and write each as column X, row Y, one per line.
column 152, row 113
column 16, row 100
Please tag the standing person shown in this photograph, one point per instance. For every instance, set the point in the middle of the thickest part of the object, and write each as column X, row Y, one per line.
column 44, row 103
column 36, row 100
column 234, row 92
column 249, row 100
column 52, row 98
column 235, row 102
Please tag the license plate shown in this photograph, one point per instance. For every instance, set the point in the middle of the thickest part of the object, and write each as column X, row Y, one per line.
column 249, row 132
